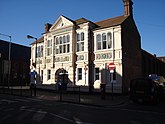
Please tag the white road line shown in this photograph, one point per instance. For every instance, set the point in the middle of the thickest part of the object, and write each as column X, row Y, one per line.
column 61, row 117
column 9, row 101
column 55, row 115
column 33, row 99
column 22, row 100
column 31, row 110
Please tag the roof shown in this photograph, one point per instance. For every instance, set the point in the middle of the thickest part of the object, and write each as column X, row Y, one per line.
column 162, row 58
column 99, row 25
column 111, row 21
column 81, row 20
column 104, row 23
column 40, row 40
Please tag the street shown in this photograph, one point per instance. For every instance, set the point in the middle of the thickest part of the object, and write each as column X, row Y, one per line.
column 24, row 110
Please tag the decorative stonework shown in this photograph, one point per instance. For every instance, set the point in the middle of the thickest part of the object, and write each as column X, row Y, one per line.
column 39, row 61
column 103, row 56
column 62, row 59
column 48, row 60
column 80, row 57
column 62, row 30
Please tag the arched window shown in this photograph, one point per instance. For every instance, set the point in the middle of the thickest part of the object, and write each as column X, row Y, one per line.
column 57, row 41
column 98, row 41
column 64, row 39
column 78, row 37
column 60, row 40
column 104, row 41
column 109, row 39
column 41, row 54
column 49, row 49
column 82, row 36
column 68, row 38
column 80, row 41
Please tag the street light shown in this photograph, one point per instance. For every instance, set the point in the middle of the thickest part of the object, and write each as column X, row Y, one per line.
column 31, row 37
column 34, row 64
column 9, row 56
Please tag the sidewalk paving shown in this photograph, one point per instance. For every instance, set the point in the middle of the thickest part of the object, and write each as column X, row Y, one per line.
column 93, row 99
column 85, row 98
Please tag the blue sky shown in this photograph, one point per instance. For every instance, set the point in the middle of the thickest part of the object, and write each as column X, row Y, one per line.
column 21, row 17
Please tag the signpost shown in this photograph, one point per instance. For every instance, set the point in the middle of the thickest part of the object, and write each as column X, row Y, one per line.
column 111, row 68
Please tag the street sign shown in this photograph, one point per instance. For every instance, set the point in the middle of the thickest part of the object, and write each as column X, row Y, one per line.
column 111, row 66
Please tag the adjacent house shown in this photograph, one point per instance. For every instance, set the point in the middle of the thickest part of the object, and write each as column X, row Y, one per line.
column 14, row 64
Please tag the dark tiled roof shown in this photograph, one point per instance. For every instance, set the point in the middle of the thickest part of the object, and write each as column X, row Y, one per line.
column 105, row 23
column 99, row 25
column 111, row 21
column 81, row 20
column 162, row 58
column 40, row 40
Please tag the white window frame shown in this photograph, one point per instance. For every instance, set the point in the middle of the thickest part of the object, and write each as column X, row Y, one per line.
column 102, row 44
column 48, row 74
column 79, row 73
column 49, row 47
column 80, row 41
column 62, row 44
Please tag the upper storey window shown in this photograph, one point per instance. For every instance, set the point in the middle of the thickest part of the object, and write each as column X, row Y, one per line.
column 62, row 44
column 49, row 47
column 40, row 51
column 80, row 41
column 104, row 41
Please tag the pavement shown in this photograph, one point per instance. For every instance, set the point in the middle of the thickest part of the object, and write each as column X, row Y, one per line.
column 92, row 99
column 85, row 98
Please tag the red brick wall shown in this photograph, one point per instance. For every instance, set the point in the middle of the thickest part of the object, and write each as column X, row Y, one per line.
column 131, row 46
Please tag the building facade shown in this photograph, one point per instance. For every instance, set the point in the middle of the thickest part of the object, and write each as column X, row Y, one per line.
column 14, row 64
column 82, row 50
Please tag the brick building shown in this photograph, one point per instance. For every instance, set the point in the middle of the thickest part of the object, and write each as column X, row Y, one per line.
column 16, row 71
column 83, row 49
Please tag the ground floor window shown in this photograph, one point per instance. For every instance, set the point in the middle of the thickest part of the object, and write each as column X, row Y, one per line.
column 96, row 73
column 48, row 74
column 79, row 73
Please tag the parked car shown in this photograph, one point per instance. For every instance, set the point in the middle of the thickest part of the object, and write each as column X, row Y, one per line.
column 144, row 90
column 160, row 80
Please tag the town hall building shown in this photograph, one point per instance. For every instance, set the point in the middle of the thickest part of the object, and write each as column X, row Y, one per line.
column 79, row 52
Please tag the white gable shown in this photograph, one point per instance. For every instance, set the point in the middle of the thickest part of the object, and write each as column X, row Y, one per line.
column 61, row 22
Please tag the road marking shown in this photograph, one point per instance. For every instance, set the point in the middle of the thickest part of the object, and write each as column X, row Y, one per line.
column 31, row 110
column 8, row 101
column 33, row 99
column 61, row 117
column 23, row 108
column 22, row 100
column 70, row 120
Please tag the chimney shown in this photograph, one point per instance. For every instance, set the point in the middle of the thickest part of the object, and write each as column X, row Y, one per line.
column 128, row 10
column 47, row 27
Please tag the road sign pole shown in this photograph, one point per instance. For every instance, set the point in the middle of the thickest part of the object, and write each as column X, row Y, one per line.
column 111, row 68
column 112, row 83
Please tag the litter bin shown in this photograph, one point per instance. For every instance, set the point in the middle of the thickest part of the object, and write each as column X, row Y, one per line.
column 102, row 89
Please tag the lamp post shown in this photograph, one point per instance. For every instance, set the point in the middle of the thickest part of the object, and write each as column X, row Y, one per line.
column 9, row 57
column 85, row 69
column 31, row 37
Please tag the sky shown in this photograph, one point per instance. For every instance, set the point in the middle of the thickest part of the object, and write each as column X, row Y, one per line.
column 18, row 18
